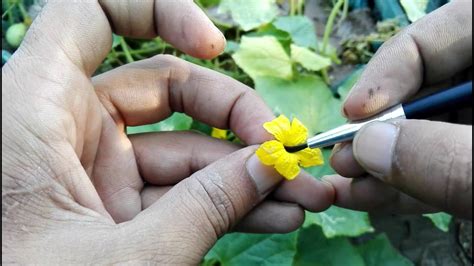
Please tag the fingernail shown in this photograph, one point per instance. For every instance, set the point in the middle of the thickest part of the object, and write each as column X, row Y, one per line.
column 265, row 177
column 374, row 146
column 337, row 148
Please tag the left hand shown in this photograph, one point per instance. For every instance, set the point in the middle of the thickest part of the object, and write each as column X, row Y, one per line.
column 73, row 182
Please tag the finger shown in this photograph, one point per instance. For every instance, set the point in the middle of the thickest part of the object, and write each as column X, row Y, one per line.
column 179, row 22
column 80, row 33
column 204, row 206
column 372, row 195
column 272, row 217
column 430, row 50
column 343, row 161
column 312, row 194
column 165, row 158
column 430, row 161
column 150, row 90
column 268, row 217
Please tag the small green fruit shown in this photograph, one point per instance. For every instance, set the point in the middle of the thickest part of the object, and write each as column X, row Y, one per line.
column 15, row 34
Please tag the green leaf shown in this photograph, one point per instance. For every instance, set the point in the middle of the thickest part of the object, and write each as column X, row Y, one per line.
column 253, row 249
column 441, row 220
column 415, row 9
column 306, row 97
column 337, row 221
column 391, row 9
column 300, row 28
column 115, row 40
column 320, row 171
column 250, row 14
column 309, row 59
column 263, row 56
column 314, row 249
column 379, row 251
column 177, row 121
column 208, row 3
column 231, row 47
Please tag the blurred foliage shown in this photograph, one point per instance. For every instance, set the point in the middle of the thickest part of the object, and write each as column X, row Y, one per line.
column 274, row 48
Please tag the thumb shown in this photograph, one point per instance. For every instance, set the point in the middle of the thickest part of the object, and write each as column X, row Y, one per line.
column 201, row 208
column 430, row 161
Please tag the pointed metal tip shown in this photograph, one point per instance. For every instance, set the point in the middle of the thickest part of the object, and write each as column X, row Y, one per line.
column 296, row 148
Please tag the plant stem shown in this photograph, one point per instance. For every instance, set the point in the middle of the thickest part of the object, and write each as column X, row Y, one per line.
column 126, row 51
column 330, row 24
column 293, row 7
column 8, row 11
column 345, row 11
column 300, row 7
column 24, row 14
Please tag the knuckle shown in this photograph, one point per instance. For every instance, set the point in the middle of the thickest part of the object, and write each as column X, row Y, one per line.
column 216, row 205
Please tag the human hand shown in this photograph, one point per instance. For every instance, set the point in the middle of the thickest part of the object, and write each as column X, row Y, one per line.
column 73, row 182
column 413, row 166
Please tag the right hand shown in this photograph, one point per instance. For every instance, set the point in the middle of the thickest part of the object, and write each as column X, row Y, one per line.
column 410, row 166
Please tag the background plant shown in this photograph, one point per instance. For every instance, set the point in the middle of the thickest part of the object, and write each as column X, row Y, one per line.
column 274, row 47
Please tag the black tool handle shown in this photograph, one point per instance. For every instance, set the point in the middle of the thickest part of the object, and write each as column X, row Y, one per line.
column 441, row 102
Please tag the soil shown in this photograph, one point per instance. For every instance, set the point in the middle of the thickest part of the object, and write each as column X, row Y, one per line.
column 418, row 240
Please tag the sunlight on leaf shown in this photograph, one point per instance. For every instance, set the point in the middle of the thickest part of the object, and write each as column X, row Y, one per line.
column 263, row 56
column 441, row 220
column 309, row 59
column 337, row 221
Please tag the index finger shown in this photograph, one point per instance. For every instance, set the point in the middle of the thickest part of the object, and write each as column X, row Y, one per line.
column 79, row 33
column 430, row 50
column 149, row 91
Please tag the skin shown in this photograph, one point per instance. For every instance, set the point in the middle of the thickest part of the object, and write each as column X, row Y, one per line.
column 73, row 183
column 76, row 189
column 430, row 163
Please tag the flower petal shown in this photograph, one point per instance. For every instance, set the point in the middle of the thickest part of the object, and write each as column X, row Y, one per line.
column 219, row 133
column 279, row 128
column 298, row 134
column 270, row 151
column 310, row 157
column 287, row 166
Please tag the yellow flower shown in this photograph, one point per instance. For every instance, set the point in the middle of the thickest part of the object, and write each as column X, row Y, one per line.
column 219, row 133
column 288, row 134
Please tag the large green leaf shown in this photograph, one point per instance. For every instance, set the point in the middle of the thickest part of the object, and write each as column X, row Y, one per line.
column 263, row 56
column 177, row 121
column 415, row 9
column 300, row 28
column 253, row 249
column 379, row 251
column 250, row 14
column 306, row 97
column 314, row 249
column 441, row 220
column 337, row 221
column 309, row 59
